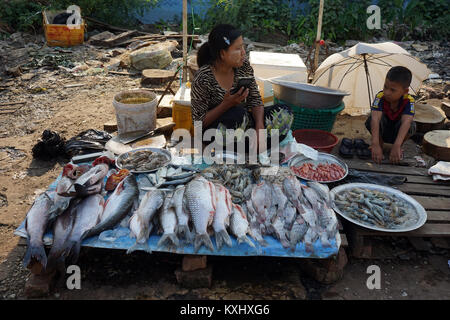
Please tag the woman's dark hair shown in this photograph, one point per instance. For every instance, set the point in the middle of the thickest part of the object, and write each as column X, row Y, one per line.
column 220, row 38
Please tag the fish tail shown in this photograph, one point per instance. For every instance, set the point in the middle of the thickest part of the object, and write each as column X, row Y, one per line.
column 168, row 239
column 36, row 252
column 247, row 240
column 221, row 238
column 72, row 250
column 138, row 246
column 203, row 239
column 184, row 232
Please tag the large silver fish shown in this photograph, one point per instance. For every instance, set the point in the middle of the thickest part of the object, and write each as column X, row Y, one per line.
column 61, row 232
column 88, row 213
column 35, row 225
column 222, row 216
column 142, row 217
column 182, row 228
column 116, row 206
column 200, row 200
column 239, row 225
column 168, row 221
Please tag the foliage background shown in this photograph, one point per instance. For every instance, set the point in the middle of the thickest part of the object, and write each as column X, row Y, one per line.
column 263, row 20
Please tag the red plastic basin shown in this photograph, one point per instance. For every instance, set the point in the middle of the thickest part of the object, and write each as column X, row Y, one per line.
column 320, row 140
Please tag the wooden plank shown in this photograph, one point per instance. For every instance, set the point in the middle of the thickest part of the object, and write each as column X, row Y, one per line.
column 429, row 190
column 113, row 41
column 427, row 230
column 368, row 165
column 433, row 203
column 438, row 216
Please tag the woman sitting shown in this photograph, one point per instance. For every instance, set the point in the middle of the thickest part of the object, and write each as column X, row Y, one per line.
column 222, row 61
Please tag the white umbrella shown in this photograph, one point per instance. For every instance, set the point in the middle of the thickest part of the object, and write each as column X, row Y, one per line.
column 361, row 71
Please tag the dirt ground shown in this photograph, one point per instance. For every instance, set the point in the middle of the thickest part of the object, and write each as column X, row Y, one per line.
column 111, row 274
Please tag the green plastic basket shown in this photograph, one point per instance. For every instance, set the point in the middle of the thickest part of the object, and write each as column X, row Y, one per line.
column 306, row 118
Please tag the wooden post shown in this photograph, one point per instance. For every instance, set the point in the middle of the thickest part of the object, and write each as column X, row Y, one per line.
column 185, row 69
column 319, row 32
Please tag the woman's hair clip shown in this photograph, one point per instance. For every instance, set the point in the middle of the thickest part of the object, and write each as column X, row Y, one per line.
column 227, row 41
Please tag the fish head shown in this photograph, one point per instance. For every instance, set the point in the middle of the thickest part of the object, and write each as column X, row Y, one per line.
column 115, row 178
column 103, row 159
column 67, row 170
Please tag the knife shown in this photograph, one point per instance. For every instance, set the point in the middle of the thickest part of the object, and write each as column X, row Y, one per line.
column 157, row 131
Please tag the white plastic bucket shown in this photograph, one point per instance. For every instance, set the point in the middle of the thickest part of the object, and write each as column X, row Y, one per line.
column 133, row 116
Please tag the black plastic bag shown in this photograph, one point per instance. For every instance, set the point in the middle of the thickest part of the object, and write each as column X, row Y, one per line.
column 50, row 147
column 88, row 141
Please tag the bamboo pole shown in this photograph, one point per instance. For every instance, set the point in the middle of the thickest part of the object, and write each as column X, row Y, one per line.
column 319, row 32
column 185, row 69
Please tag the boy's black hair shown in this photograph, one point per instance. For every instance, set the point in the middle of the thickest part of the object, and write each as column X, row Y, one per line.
column 400, row 75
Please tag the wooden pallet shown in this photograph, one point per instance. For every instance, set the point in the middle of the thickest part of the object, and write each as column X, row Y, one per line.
column 434, row 196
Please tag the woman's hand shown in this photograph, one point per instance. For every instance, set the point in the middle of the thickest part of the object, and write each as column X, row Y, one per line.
column 232, row 100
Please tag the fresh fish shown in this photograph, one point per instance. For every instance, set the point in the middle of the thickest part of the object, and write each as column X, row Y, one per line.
column 117, row 206
column 88, row 214
column 182, row 228
column 255, row 225
column 180, row 176
column 35, row 225
column 293, row 190
column 176, row 182
column 222, row 216
column 90, row 181
column 201, row 202
column 59, row 205
column 279, row 232
column 66, row 182
column 278, row 198
column 311, row 196
column 261, row 199
column 322, row 190
column 115, row 178
column 140, row 221
column 289, row 215
column 327, row 220
column 61, row 232
column 310, row 237
column 239, row 225
column 168, row 220
column 298, row 231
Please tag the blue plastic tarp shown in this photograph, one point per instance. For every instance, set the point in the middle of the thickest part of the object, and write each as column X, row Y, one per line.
column 119, row 239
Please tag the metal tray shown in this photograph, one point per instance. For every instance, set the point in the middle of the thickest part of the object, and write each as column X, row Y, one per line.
column 307, row 95
column 323, row 157
column 157, row 150
column 417, row 206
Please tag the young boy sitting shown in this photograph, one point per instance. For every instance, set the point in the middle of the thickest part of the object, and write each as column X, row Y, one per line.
column 391, row 118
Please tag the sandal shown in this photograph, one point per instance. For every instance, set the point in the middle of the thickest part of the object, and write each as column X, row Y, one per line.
column 362, row 149
column 346, row 149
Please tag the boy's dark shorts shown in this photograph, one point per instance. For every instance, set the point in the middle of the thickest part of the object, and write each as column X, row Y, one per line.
column 389, row 129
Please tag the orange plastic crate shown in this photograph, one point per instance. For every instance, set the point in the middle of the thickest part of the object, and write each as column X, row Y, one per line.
column 61, row 35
